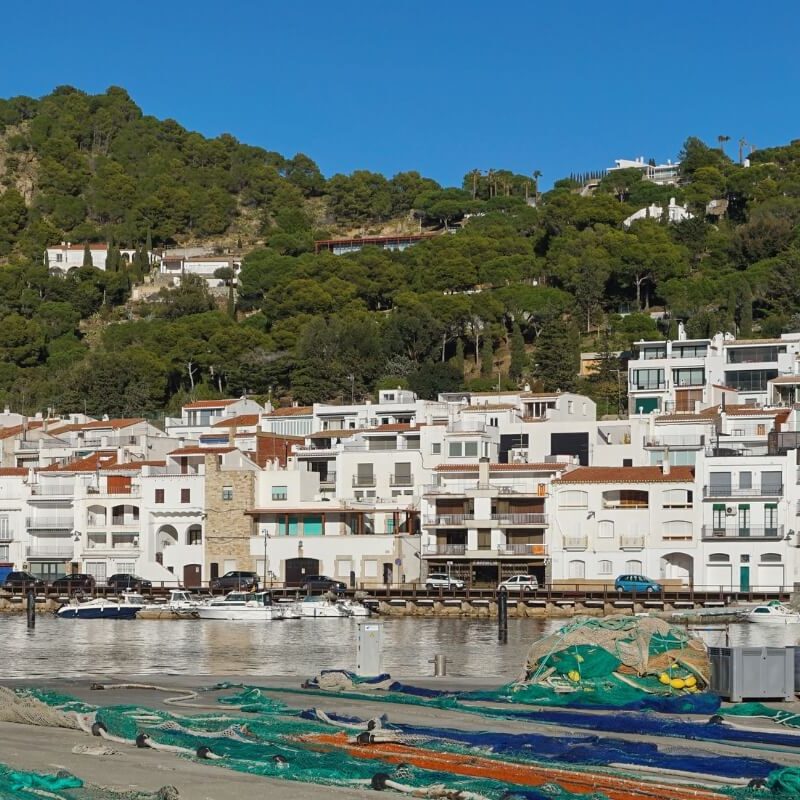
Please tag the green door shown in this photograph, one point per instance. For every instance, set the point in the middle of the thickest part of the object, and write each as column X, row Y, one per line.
column 744, row 578
column 644, row 405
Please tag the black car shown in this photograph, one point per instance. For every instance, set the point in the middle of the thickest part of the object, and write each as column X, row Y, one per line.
column 236, row 579
column 78, row 582
column 322, row 583
column 123, row 581
column 22, row 580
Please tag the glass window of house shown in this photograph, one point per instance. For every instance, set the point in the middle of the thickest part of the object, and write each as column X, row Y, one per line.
column 454, row 449
column 227, row 492
column 471, row 449
column 279, row 492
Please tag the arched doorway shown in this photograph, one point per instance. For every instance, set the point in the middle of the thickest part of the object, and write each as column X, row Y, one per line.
column 298, row 568
column 166, row 536
column 678, row 566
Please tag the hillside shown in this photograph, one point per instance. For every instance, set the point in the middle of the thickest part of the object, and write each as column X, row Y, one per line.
column 510, row 297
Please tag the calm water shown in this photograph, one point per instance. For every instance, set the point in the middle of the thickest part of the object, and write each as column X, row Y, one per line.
column 59, row 647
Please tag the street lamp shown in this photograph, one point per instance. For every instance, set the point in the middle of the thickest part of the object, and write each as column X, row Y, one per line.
column 266, row 536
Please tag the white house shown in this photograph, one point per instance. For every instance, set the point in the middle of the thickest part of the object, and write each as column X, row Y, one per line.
column 199, row 417
column 674, row 213
column 663, row 174
column 174, row 267
column 66, row 256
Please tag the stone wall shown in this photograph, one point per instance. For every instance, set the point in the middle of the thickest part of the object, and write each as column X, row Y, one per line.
column 227, row 528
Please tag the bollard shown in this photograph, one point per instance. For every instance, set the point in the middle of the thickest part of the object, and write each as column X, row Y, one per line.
column 502, row 616
column 439, row 662
column 31, row 609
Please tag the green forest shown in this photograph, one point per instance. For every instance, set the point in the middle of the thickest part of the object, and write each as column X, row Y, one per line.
column 517, row 283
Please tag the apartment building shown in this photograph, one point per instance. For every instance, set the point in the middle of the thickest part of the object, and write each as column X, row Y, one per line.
column 199, row 417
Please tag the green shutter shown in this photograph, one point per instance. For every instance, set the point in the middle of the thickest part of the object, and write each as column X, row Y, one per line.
column 770, row 505
column 744, row 505
column 718, row 507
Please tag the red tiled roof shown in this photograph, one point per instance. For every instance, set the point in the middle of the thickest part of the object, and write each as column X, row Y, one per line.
column 121, row 422
column 98, row 460
column 243, row 420
column 291, row 411
column 534, row 467
column 93, row 246
column 15, row 430
column 211, row 403
column 682, row 474
column 135, row 465
column 13, row 471
column 340, row 434
column 199, row 451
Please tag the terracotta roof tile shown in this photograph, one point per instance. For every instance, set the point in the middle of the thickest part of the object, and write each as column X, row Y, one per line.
column 15, row 430
column 121, row 422
column 550, row 466
column 199, row 451
column 339, row 434
column 291, row 411
column 98, row 460
column 242, row 421
column 680, row 474
column 211, row 403
column 7, row 472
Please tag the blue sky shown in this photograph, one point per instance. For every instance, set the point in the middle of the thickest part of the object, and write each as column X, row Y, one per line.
column 438, row 87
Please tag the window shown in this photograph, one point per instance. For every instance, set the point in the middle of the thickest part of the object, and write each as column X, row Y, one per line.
column 605, row 568
column 770, row 558
column 648, row 353
column 627, row 462
column 59, row 258
column 159, row 495
column 643, row 379
column 719, row 558
column 689, row 377
column 454, row 449
column 194, row 535
column 750, row 380
column 370, row 567
column 605, row 529
column 761, row 429
column 570, row 407
column 125, row 567
column 484, row 540
column 227, row 492
column 470, row 449
column 577, row 569
column 186, row 495
column 677, row 529
column 97, row 569
column 343, row 568
column 744, row 519
column 689, row 350
column 4, row 548
column 771, row 519
column 753, row 355
column 634, row 567
column 279, row 493
column 745, row 480
column 573, row 499
column 436, row 448
column 679, row 498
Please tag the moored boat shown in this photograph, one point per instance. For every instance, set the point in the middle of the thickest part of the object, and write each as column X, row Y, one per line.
column 774, row 613
column 99, row 608
column 242, row 605
column 321, row 605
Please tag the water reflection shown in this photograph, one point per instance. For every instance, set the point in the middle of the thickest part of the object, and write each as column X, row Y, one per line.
column 295, row 647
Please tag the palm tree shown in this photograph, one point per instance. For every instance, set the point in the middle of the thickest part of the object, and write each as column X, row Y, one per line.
column 722, row 139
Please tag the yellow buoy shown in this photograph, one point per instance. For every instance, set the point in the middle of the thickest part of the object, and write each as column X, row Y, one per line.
column 574, row 675
column 677, row 683
column 691, row 681
column 663, row 677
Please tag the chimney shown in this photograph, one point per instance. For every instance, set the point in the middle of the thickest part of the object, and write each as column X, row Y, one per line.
column 483, row 472
column 665, row 465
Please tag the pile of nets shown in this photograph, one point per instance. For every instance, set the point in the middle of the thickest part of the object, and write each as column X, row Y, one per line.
column 617, row 661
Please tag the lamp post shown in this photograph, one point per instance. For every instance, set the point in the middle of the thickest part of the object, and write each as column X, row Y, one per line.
column 266, row 536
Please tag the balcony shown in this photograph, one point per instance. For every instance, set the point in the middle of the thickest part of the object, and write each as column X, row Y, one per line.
column 444, row 520
column 631, row 542
column 675, row 442
column 526, row 519
column 721, row 492
column 401, row 480
column 114, row 491
column 329, row 479
column 363, row 480
column 522, row 550
column 735, row 532
column 56, row 490
column 56, row 551
column 467, row 426
column 576, row 542
column 26, row 445
column 445, row 549
column 49, row 523
column 647, row 387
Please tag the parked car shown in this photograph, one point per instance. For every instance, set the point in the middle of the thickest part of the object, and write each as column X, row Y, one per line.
column 322, row 583
column 78, row 582
column 122, row 581
column 519, row 583
column 636, row 583
column 439, row 580
column 22, row 580
column 235, row 579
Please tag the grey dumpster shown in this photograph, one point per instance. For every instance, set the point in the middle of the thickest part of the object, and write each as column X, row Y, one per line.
column 752, row 672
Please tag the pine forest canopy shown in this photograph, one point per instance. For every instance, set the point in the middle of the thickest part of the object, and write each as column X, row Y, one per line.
column 516, row 286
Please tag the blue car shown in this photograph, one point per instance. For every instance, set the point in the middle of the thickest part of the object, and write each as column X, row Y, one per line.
column 636, row 583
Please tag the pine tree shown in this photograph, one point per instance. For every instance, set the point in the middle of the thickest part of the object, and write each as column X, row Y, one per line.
column 148, row 248
column 87, row 256
column 519, row 358
column 730, row 311
column 605, row 379
column 231, row 301
column 458, row 359
column 487, row 357
column 558, row 356
column 746, row 313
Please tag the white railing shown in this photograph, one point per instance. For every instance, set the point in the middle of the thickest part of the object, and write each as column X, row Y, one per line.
column 522, row 550
column 43, row 489
column 50, row 551
column 49, row 523
column 631, row 542
column 576, row 542
column 447, row 519
column 520, row 519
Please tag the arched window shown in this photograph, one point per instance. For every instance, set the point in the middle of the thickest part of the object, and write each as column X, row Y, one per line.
column 577, row 569
column 677, row 529
column 719, row 558
column 677, row 498
column 605, row 529
column 573, row 498
column 770, row 558
column 605, row 567
column 634, row 567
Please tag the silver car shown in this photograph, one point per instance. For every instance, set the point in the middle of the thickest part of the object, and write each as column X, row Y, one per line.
column 438, row 580
column 520, row 583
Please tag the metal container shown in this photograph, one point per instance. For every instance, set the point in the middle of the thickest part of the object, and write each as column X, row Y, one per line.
column 753, row 672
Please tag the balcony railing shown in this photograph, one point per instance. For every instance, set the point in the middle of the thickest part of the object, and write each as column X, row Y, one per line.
column 447, row 519
column 27, row 444
column 401, row 480
column 576, row 542
column 742, row 532
column 505, row 520
column 131, row 489
column 445, row 549
column 44, row 489
column 328, row 480
column 647, row 387
column 363, row 480
column 50, row 551
column 631, row 542
column 522, row 550
column 674, row 441
column 49, row 523
column 733, row 491
column 467, row 426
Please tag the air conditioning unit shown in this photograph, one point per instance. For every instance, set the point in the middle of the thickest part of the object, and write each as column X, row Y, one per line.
column 731, row 511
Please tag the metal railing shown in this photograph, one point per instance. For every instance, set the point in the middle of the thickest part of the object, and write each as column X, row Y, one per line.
column 363, row 480
column 447, row 519
column 522, row 550
column 576, row 542
column 49, row 523
column 445, row 549
column 520, row 519
column 631, row 542
column 742, row 532
column 401, row 480
column 733, row 491
column 674, row 441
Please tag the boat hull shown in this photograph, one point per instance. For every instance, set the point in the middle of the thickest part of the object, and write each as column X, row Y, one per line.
column 98, row 612
column 256, row 614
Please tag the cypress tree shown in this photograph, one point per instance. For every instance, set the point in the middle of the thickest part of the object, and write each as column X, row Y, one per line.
column 148, row 247
column 487, row 357
column 231, row 301
column 558, row 356
column 746, row 313
column 458, row 359
column 519, row 358
column 87, row 256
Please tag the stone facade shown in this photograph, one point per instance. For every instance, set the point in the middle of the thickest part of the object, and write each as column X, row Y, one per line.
column 229, row 493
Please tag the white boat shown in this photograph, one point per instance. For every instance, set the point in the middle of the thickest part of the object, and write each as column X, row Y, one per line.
column 774, row 613
column 320, row 605
column 180, row 605
column 99, row 608
column 242, row 605
column 180, row 600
